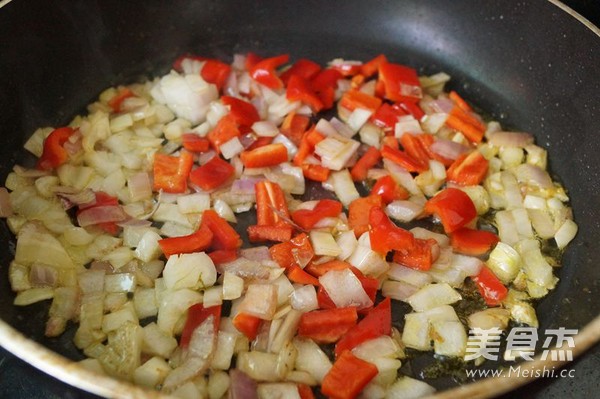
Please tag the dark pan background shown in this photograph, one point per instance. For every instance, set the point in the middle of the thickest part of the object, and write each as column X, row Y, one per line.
column 20, row 380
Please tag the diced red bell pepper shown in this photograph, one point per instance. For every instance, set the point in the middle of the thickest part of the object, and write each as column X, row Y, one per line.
column 353, row 99
column 224, row 236
column 171, row 173
column 324, row 84
column 223, row 256
column 299, row 89
column 400, row 82
column 242, row 112
column 116, row 100
column 212, row 174
column 225, row 130
column 403, row 159
column 268, row 155
column 247, row 325
column 319, row 269
column 385, row 235
column 459, row 101
column 200, row 240
column 259, row 142
column 358, row 213
column 419, row 256
column 347, row 69
column 466, row 123
column 271, row 205
column 412, row 108
column 327, row 326
column 264, row 72
column 390, row 141
column 297, row 275
column 260, row 233
column 196, row 315
column 427, row 140
column 215, row 72
column 315, row 172
column 194, row 143
column 54, row 154
column 294, row 126
column 376, row 323
column 473, row 242
column 371, row 67
column 304, row 68
column 453, row 207
column 414, row 147
column 387, row 116
column 468, row 169
column 307, row 218
column 361, row 168
column 348, row 376
column 251, row 60
column 490, row 287
column 305, row 391
column 387, row 188
column 296, row 252
column 324, row 300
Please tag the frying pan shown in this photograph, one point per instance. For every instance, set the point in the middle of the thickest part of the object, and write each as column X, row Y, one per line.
column 532, row 65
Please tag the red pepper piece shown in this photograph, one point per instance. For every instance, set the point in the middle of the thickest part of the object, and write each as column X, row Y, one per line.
column 294, row 126
column 54, row 154
column 223, row 256
column 271, row 204
column 376, row 323
column 268, row 155
column 200, row 240
column 306, row 69
column 468, row 169
column 264, row 72
column 305, row 392
column 412, row 108
column 251, row 60
column 224, row 236
column 307, row 218
column 353, row 99
column 490, row 287
column 242, row 112
column 403, row 159
column 259, row 233
column 194, row 143
column 361, row 168
column 400, row 83
column 358, row 213
column 473, row 242
column 324, row 84
column 315, row 172
column 296, row 275
column 348, row 376
column 454, row 208
column 414, row 147
column 102, row 200
column 387, row 116
column 197, row 314
column 371, row 67
column 212, row 174
column 215, row 72
column 472, row 128
column 247, row 325
column 296, row 252
column 299, row 89
column 385, row 235
column 419, row 256
column 387, row 188
column 225, row 130
column 327, row 326
column 319, row 269
column 171, row 173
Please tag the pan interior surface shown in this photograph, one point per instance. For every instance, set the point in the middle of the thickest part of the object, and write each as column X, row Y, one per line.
column 538, row 77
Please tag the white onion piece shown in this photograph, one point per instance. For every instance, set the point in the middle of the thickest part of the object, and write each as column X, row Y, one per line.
column 448, row 148
column 101, row 214
column 345, row 289
column 244, row 185
column 442, row 105
column 73, row 197
column 511, row 139
column 533, row 175
column 432, row 296
column 304, row 298
column 257, row 254
column 404, row 211
column 260, row 301
column 565, row 233
column 342, row 128
column 140, row 187
column 265, row 129
column 26, row 172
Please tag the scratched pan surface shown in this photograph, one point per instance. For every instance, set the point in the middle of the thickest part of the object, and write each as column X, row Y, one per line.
column 530, row 64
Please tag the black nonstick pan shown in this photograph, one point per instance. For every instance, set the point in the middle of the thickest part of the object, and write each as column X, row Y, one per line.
column 534, row 66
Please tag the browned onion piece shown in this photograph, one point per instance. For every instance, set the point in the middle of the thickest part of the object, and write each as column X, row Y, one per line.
column 41, row 275
column 511, row 139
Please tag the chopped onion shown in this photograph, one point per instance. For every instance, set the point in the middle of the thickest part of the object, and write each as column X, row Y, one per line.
column 357, row 119
column 5, row 206
column 323, row 243
column 345, row 289
column 231, row 148
column 533, row 175
column 265, row 129
column 565, row 233
column 257, row 254
column 343, row 186
column 343, row 128
column 403, row 211
column 41, row 275
column 260, row 301
column 448, row 148
column 100, row 214
column 433, row 295
column 511, row 139
column 304, row 298
column 242, row 386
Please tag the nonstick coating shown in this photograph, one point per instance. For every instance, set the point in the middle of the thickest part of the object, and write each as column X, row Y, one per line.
column 531, row 65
